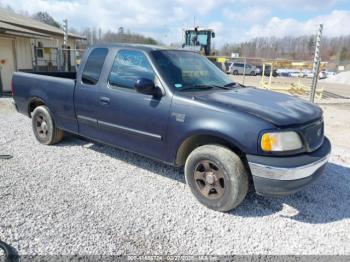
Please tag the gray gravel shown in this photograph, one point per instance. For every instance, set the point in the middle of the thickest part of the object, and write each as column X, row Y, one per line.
column 80, row 197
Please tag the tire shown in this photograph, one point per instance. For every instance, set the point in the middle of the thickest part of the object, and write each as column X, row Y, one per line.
column 235, row 72
column 252, row 73
column 216, row 163
column 44, row 127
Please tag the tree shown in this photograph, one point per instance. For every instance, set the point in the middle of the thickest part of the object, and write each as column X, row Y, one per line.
column 343, row 54
column 311, row 45
column 46, row 18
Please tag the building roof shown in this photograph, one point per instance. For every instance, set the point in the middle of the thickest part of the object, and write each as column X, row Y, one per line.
column 31, row 24
column 15, row 30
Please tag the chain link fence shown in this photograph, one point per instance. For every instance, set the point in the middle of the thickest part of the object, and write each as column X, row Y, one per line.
column 291, row 77
column 51, row 59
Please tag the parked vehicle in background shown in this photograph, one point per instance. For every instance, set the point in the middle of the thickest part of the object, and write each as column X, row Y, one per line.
column 310, row 75
column 237, row 68
column 220, row 65
column 296, row 74
column 307, row 73
column 267, row 72
column 177, row 107
column 322, row 75
column 331, row 73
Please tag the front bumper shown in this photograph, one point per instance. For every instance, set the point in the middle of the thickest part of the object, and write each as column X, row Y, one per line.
column 287, row 175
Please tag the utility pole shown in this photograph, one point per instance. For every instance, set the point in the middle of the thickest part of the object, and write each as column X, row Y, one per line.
column 65, row 45
column 245, row 64
column 316, row 64
column 65, row 31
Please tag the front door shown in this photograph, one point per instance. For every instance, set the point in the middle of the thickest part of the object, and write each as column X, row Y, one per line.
column 131, row 120
column 7, row 65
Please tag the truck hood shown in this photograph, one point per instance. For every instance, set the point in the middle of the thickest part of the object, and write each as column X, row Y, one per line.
column 276, row 108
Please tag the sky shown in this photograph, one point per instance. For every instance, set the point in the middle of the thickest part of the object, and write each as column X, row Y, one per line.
column 232, row 20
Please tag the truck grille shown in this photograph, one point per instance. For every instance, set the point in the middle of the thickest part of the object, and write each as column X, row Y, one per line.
column 313, row 135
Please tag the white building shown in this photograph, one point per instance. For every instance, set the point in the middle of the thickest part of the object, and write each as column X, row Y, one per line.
column 29, row 45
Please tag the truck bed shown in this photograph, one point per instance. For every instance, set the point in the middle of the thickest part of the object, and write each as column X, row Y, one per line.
column 55, row 88
column 67, row 75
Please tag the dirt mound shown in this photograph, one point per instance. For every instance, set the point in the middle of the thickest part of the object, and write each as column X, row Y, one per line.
column 341, row 78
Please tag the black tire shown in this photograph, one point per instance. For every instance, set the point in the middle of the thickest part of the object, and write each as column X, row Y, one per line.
column 252, row 73
column 235, row 72
column 44, row 127
column 234, row 177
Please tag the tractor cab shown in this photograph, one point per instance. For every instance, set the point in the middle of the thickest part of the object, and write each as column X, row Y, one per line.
column 199, row 40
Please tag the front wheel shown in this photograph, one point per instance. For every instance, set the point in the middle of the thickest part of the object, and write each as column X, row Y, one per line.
column 216, row 177
column 44, row 127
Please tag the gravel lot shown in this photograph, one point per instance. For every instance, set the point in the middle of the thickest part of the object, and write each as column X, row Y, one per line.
column 80, row 197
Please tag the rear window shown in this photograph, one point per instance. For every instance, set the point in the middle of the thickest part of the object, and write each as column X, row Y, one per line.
column 93, row 66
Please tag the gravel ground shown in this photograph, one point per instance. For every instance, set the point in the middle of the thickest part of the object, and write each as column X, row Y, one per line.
column 80, row 197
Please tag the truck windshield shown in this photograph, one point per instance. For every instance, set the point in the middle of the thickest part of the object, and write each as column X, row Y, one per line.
column 183, row 70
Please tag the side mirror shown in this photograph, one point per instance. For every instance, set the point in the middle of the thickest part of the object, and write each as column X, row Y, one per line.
column 212, row 34
column 145, row 86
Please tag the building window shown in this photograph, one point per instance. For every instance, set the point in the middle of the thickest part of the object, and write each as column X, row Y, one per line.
column 39, row 52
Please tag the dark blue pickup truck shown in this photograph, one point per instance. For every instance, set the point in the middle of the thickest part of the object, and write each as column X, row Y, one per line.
column 179, row 108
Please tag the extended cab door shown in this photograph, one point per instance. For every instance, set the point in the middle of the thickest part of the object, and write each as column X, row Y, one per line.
column 131, row 120
column 87, row 96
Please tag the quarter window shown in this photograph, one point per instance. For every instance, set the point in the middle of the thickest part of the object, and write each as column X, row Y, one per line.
column 93, row 66
column 128, row 67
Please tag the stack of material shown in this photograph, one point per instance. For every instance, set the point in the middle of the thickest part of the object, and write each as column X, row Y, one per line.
column 341, row 78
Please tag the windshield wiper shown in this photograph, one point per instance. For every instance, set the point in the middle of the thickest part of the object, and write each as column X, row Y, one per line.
column 205, row 87
column 234, row 84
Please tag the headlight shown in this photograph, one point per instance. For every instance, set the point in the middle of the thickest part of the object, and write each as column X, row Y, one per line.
column 280, row 141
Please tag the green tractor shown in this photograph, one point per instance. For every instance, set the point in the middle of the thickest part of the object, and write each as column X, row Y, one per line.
column 199, row 40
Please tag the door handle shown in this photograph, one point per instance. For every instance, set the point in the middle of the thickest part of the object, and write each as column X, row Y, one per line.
column 105, row 100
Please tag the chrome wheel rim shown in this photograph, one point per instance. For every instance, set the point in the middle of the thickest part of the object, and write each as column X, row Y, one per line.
column 41, row 126
column 209, row 179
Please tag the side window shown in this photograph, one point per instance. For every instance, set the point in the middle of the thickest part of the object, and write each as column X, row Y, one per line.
column 128, row 67
column 93, row 66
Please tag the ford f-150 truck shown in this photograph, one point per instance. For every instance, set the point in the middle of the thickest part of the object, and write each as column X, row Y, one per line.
column 177, row 107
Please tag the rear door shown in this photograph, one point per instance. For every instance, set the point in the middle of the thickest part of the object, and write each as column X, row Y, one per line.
column 87, row 97
column 131, row 120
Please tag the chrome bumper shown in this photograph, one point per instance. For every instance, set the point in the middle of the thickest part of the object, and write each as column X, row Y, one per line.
column 283, row 173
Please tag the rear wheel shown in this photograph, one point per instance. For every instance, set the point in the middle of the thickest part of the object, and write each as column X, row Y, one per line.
column 44, row 127
column 252, row 73
column 235, row 72
column 216, row 177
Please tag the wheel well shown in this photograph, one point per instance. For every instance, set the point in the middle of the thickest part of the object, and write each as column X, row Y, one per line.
column 34, row 103
column 193, row 142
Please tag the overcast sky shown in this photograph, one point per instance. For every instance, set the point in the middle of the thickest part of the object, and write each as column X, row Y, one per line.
column 233, row 20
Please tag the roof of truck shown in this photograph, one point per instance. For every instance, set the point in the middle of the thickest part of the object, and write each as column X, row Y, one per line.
column 143, row 47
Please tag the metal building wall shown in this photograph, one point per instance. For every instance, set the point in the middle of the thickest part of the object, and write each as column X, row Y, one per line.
column 23, row 54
